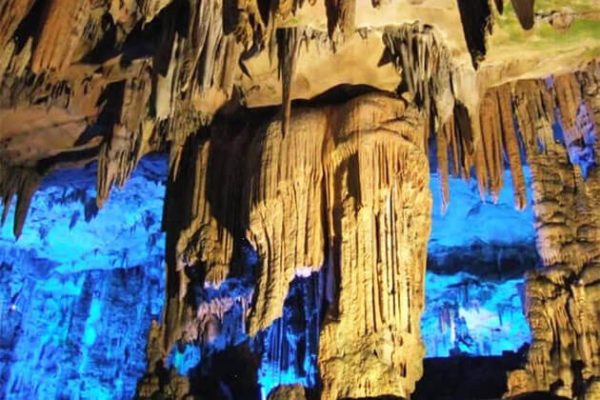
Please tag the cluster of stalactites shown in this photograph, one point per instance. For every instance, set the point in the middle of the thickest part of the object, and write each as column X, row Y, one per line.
column 423, row 62
column 276, row 184
column 447, row 95
column 515, row 122
column 142, row 73
column 563, row 298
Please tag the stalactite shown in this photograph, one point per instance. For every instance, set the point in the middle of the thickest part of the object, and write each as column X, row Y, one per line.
column 568, row 99
column 535, row 113
column 205, row 66
column 525, row 12
column 499, row 5
column 21, row 182
column 288, row 49
column 341, row 15
column 491, row 134
column 11, row 14
column 119, row 156
column 151, row 8
column 441, row 139
column 510, row 141
column 462, row 143
column 476, row 17
column 61, row 31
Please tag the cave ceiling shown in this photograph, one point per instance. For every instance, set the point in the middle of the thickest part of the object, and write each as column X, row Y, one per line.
column 112, row 81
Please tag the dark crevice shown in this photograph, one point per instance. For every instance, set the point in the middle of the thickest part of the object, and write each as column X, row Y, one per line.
column 477, row 23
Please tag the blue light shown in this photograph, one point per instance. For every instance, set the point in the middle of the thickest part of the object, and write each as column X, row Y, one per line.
column 77, row 297
column 291, row 343
column 480, row 312
column 184, row 360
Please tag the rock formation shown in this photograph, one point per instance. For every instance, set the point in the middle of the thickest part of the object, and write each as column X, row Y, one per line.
column 303, row 130
column 563, row 297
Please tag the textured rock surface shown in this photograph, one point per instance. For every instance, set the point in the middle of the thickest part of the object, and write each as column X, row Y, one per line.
column 562, row 299
column 380, row 206
column 342, row 173
column 78, row 291
column 340, row 184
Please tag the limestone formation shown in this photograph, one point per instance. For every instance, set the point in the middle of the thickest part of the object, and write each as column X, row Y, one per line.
column 562, row 299
column 379, row 206
column 305, row 130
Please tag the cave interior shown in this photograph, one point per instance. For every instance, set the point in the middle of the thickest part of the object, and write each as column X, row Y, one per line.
column 299, row 200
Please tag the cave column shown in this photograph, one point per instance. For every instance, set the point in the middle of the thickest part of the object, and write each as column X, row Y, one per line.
column 563, row 298
column 379, row 203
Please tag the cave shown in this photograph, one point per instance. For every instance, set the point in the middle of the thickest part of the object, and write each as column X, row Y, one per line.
column 299, row 200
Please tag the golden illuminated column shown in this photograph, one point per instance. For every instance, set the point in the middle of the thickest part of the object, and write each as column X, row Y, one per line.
column 563, row 298
column 347, row 186
column 379, row 204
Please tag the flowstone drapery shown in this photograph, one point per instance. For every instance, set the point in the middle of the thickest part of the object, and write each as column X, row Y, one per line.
column 563, row 298
column 346, row 187
column 380, row 206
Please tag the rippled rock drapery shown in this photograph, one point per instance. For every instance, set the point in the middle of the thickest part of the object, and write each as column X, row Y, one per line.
column 346, row 187
column 563, row 299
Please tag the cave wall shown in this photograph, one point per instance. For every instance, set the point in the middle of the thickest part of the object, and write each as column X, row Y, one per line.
column 78, row 291
column 562, row 298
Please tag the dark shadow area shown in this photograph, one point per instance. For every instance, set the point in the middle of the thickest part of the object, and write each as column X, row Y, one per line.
column 231, row 373
column 466, row 378
column 476, row 21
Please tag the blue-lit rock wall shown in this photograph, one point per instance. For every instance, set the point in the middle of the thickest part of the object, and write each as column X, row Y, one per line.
column 477, row 255
column 78, row 292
